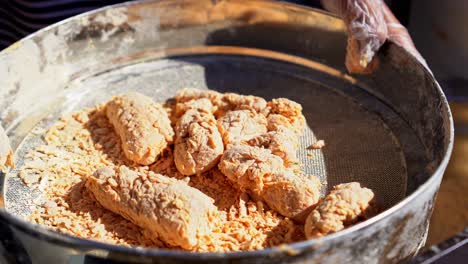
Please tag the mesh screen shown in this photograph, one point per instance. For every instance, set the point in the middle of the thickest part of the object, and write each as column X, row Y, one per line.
column 359, row 146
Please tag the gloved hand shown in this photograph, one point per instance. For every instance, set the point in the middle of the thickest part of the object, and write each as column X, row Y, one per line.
column 370, row 23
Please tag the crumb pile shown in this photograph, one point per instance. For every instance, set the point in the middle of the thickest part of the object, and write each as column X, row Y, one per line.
column 84, row 141
column 256, row 185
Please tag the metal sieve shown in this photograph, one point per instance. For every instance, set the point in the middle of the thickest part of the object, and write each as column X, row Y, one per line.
column 391, row 131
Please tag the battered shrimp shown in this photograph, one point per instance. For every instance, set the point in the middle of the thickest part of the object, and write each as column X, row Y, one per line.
column 241, row 125
column 263, row 175
column 198, row 144
column 170, row 209
column 142, row 125
column 224, row 102
column 344, row 206
column 285, row 113
column 282, row 142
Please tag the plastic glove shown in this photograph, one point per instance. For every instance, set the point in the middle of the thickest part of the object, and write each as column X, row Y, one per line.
column 370, row 23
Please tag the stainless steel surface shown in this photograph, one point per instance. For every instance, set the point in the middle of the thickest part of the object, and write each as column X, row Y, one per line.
column 391, row 130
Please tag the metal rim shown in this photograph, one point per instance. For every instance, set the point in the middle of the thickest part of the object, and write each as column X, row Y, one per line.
column 41, row 232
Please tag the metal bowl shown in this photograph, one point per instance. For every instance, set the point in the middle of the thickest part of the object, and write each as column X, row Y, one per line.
column 391, row 130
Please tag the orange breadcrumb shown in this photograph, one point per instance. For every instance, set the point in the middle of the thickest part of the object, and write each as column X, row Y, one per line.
column 82, row 142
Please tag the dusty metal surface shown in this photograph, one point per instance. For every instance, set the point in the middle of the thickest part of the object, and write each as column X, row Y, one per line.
column 401, row 95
